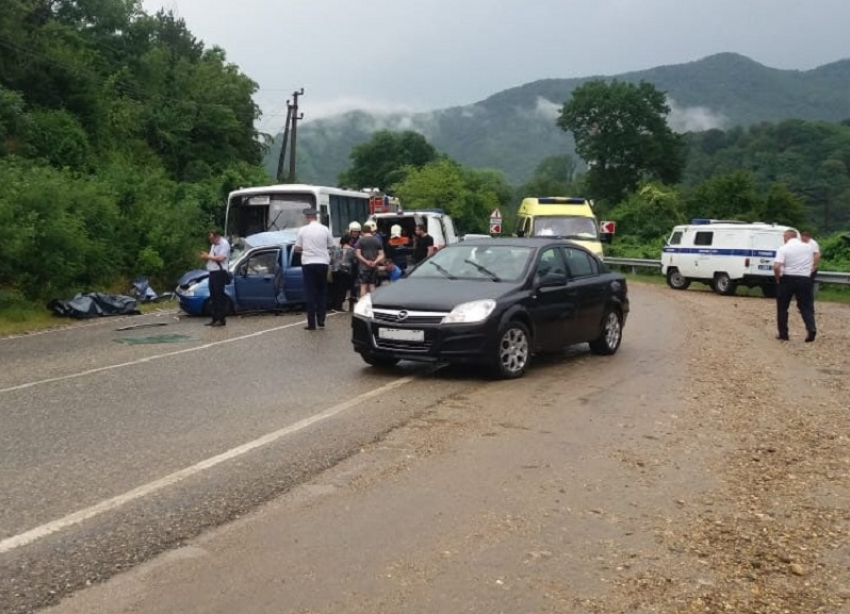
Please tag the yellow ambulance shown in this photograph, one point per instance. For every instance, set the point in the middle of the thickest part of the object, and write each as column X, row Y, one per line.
column 566, row 217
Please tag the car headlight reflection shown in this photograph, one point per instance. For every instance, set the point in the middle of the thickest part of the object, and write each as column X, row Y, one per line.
column 363, row 307
column 468, row 313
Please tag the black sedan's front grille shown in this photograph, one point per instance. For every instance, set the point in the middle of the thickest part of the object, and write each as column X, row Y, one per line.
column 405, row 346
column 397, row 316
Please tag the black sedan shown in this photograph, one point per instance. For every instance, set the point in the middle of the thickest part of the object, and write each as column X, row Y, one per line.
column 493, row 302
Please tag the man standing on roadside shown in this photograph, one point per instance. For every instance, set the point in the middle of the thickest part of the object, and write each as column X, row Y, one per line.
column 218, row 264
column 423, row 245
column 792, row 268
column 806, row 237
column 314, row 242
column 369, row 253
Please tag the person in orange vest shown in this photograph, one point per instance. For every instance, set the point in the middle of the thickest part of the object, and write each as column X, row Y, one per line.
column 397, row 237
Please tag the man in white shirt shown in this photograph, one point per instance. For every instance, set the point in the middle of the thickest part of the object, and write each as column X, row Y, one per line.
column 792, row 268
column 218, row 264
column 806, row 237
column 314, row 241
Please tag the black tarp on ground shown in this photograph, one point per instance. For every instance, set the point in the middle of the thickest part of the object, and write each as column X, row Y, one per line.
column 94, row 305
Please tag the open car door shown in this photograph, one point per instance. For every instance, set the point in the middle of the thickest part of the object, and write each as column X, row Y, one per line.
column 254, row 281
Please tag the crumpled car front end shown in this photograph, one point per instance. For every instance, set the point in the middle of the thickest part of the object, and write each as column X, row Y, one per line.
column 193, row 291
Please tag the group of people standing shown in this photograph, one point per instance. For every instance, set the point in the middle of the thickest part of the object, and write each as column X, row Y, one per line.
column 332, row 271
column 362, row 256
column 795, row 268
column 350, row 268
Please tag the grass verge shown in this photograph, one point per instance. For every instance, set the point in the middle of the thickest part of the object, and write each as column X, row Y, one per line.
column 28, row 317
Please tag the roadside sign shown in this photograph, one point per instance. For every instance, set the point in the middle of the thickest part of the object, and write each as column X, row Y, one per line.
column 495, row 214
column 608, row 228
column 495, row 229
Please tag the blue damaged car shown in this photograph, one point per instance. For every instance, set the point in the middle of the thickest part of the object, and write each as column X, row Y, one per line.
column 266, row 277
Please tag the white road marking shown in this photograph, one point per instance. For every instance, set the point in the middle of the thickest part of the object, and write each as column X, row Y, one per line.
column 139, row 361
column 88, row 513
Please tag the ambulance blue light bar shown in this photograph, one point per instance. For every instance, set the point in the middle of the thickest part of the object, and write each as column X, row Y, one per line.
column 701, row 220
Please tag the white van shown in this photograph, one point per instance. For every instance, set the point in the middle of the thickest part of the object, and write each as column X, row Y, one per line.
column 722, row 254
column 438, row 224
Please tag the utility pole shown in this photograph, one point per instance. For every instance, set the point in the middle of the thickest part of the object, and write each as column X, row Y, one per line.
column 295, row 118
column 283, row 143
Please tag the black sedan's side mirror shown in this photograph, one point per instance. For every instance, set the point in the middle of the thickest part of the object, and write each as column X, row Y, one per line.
column 552, row 279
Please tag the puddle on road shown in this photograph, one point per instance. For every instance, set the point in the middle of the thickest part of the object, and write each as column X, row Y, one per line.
column 153, row 339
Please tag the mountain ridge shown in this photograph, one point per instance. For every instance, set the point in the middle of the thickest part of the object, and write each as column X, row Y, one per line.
column 514, row 129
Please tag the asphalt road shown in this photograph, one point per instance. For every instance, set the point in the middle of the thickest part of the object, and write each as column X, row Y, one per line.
column 117, row 445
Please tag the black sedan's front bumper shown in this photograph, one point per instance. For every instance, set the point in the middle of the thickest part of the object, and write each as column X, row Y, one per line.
column 454, row 343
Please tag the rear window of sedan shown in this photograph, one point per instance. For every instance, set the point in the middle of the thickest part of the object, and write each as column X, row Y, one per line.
column 477, row 262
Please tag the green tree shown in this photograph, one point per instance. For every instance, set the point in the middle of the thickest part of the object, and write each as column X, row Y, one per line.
column 58, row 138
column 649, row 213
column 781, row 206
column 13, row 121
column 377, row 163
column 811, row 158
column 731, row 196
column 468, row 195
column 620, row 130
column 554, row 176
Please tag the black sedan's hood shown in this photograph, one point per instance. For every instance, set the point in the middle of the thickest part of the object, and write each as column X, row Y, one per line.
column 437, row 294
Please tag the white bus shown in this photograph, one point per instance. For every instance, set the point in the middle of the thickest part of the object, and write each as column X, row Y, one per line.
column 281, row 207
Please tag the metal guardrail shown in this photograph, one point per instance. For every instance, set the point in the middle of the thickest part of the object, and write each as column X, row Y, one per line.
column 824, row 277
column 633, row 262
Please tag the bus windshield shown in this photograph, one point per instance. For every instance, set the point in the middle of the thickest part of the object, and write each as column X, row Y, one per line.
column 250, row 214
column 276, row 208
column 566, row 226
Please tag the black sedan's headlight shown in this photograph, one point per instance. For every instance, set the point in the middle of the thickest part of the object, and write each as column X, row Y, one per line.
column 363, row 307
column 471, row 312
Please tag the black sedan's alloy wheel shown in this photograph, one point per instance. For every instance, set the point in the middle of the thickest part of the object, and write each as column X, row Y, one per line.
column 513, row 352
column 612, row 334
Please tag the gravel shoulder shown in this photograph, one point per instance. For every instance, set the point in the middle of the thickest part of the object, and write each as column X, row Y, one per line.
column 704, row 468
column 772, row 535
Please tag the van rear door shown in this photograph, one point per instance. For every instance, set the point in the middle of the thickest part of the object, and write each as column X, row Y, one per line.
column 435, row 229
column 764, row 246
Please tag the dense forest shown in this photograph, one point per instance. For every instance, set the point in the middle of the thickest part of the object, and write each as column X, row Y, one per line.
column 120, row 135
column 811, row 158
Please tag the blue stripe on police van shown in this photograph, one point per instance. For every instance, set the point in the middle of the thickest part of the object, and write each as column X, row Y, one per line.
column 708, row 251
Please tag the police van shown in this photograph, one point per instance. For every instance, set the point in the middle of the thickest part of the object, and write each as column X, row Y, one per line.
column 722, row 254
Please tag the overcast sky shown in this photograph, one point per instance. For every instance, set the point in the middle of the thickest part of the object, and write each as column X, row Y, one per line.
column 431, row 54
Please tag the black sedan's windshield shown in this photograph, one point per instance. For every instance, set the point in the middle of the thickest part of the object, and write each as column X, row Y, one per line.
column 479, row 262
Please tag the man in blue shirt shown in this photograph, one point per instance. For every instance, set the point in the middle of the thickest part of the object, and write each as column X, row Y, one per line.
column 393, row 271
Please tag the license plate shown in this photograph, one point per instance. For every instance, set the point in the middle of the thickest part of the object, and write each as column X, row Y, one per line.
column 401, row 334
